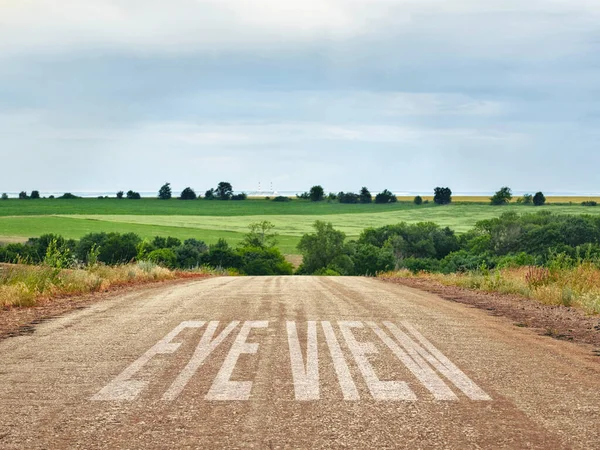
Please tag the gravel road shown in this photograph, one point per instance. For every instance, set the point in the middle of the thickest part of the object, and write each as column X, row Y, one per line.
column 293, row 362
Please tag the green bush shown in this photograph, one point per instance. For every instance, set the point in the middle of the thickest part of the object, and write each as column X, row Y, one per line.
column 365, row 196
column 165, row 192
column 132, row 195
column 442, row 195
column 539, row 199
column 316, row 194
column 224, row 191
column 187, row 194
column 241, row 196
column 4, row 196
column 418, row 200
column 385, row 197
column 23, row 195
column 163, row 257
column 35, row 195
column 281, row 198
column 348, row 197
column 120, row 195
column 190, row 254
column 502, row 197
column 370, row 260
column 589, row 203
column 263, row 261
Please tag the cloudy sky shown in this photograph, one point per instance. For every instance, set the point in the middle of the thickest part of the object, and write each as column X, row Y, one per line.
column 398, row 94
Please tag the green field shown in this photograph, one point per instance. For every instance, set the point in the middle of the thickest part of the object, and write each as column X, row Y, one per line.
column 211, row 220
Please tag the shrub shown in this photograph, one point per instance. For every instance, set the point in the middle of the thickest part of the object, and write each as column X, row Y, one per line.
column 370, row 260
column 4, row 196
column 589, row 203
column 385, row 197
column 261, row 235
column 222, row 255
column 241, row 196
column 120, row 195
column 164, row 192
column 263, row 261
column 527, row 199
column 502, row 197
column 188, row 194
column 224, row 191
column 189, row 255
column 164, row 257
column 316, row 194
column 23, row 195
column 365, row 196
column 113, row 248
column 282, row 199
column 35, row 195
column 303, row 196
column 418, row 200
column 539, row 199
column 131, row 195
column 416, row 265
column 332, row 197
column 442, row 195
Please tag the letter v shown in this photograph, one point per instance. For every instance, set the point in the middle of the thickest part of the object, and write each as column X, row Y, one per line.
column 204, row 349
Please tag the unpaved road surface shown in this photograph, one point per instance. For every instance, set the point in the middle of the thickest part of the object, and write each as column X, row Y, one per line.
column 293, row 362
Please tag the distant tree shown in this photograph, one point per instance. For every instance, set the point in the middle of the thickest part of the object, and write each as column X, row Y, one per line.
column 418, row 200
column 539, row 199
column 303, row 196
column 261, row 235
column 35, row 194
column 188, row 194
column 348, row 197
column 52, row 196
column 120, row 194
column 210, row 194
column 282, row 198
column 365, row 196
column 224, row 191
column 332, row 197
column 23, row 195
column 442, row 195
column 502, row 197
column 385, row 196
column 5, row 196
column 240, row 196
column 132, row 195
column 316, row 194
column 164, row 192
column 589, row 203
column 69, row 196
column 527, row 199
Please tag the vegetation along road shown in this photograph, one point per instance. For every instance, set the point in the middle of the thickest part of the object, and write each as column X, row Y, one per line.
column 22, row 219
column 293, row 362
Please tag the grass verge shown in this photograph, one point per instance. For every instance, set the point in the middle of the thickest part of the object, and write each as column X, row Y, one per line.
column 577, row 287
column 22, row 286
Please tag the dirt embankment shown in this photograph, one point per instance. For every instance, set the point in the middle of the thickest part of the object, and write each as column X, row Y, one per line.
column 559, row 322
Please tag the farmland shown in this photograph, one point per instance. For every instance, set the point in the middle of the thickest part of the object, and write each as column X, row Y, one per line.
column 211, row 220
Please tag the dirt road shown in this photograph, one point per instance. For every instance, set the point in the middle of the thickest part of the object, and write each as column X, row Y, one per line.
column 293, row 362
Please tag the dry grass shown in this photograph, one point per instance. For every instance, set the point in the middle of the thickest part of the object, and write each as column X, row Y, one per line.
column 22, row 285
column 578, row 287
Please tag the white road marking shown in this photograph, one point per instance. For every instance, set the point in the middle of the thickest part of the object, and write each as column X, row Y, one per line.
column 306, row 377
column 205, row 348
column 380, row 390
column 339, row 363
column 420, row 369
column 436, row 359
column 123, row 387
column 223, row 389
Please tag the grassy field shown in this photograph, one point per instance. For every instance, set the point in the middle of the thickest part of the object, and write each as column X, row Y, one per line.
column 211, row 220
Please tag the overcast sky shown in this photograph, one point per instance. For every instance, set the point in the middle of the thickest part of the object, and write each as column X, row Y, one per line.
column 398, row 94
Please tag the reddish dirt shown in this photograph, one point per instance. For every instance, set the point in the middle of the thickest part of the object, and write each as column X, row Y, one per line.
column 559, row 322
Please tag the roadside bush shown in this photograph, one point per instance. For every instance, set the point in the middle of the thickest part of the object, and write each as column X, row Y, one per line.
column 321, row 248
column 263, row 261
column 113, row 248
column 281, row 198
column 416, row 265
column 190, row 254
column 164, row 257
column 385, row 197
column 187, row 194
column 370, row 260
column 222, row 255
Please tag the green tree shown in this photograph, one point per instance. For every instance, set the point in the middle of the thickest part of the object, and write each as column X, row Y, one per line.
column 210, row 194
column 35, row 194
column 365, row 196
column 527, row 199
column 188, row 194
column 132, row 195
column 224, row 191
column 502, row 197
column 418, row 200
column 164, row 192
column 120, row 194
column 261, row 235
column 316, row 194
column 442, row 195
column 321, row 248
column 4, row 196
column 539, row 199
column 23, row 195
column 385, row 196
